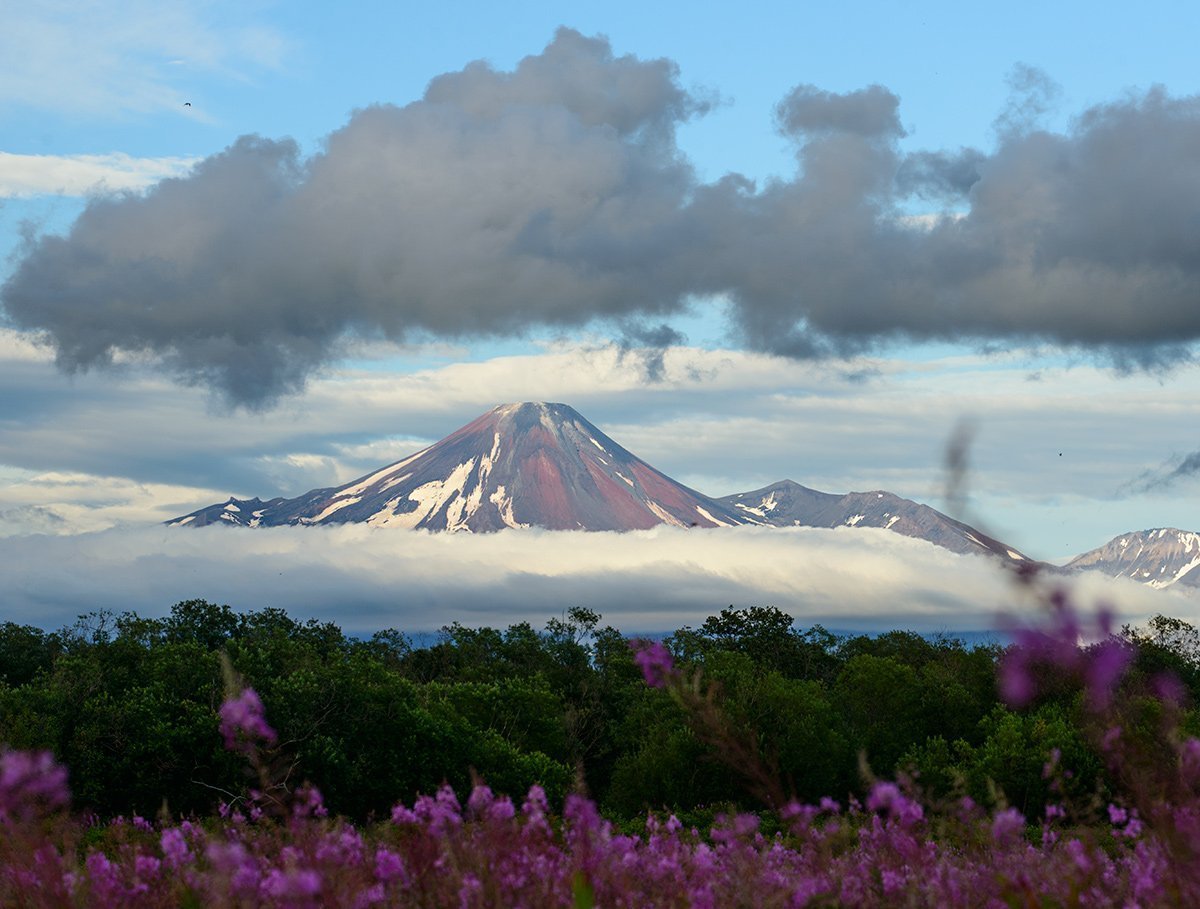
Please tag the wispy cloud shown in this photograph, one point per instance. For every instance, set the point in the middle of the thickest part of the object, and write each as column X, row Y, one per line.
column 1167, row 474
column 104, row 60
column 70, row 503
column 22, row 176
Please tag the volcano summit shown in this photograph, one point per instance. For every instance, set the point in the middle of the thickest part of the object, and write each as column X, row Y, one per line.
column 519, row 465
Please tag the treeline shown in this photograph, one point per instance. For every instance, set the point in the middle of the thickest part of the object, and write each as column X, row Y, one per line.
column 130, row 705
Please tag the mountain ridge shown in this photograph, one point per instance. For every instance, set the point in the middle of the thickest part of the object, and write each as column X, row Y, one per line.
column 544, row 464
column 788, row 503
column 1159, row 557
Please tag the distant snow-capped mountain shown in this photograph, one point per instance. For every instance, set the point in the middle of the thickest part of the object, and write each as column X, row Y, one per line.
column 787, row 504
column 519, row 465
column 1162, row 557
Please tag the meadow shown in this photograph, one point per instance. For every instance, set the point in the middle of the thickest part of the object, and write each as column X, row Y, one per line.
column 217, row 758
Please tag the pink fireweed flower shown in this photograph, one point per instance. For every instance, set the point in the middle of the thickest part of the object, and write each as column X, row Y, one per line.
column 402, row 814
column 174, row 847
column 243, row 723
column 1106, row 665
column 1059, row 644
column 295, row 883
column 1007, row 826
column 30, row 783
column 389, row 866
column 655, row 661
column 729, row 829
column 309, row 803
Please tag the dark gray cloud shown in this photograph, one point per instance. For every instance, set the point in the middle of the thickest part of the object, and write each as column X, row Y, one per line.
column 547, row 196
column 1087, row 239
column 871, row 112
column 649, row 344
column 555, row 195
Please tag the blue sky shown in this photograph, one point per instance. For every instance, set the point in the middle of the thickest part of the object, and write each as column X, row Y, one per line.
column 1082, row 394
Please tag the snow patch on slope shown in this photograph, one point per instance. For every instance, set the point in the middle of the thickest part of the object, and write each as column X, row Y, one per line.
column 705, row 514
column 504, row 505
column 429, row 497
column 663, row 515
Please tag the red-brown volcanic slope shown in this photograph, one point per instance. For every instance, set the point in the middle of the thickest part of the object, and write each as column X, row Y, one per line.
column 530, row 464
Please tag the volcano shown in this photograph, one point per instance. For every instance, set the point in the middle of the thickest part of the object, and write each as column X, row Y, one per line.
column 544, row 465
column 518, row 465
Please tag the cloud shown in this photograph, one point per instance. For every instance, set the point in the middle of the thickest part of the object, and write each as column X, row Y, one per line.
column 1166, row 475
column 647, row 580
column 546, row 196
column 71, row 503
column 554, row 196
column 649, row 344
column 1084, row 238
column 78, row 175
column 102, row 61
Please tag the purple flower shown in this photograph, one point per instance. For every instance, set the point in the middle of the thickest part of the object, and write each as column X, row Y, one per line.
column 1107, row 662
column 402, row 814
column 243, row 723
column 30, row 782
column 309, row 802
column 655, row 662
column 389, row 866
column 174, row 847
column 296, row 883
column 1007, row 825
column 146, row 866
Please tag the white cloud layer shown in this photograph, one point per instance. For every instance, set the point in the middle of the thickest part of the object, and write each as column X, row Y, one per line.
column 22, row 176
column 366, row 579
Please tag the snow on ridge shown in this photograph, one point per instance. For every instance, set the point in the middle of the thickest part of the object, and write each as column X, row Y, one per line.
column 1012, row 554
column 362, row 485
column 336, row 505
column 453, row 491
column 486, row 463
column 892, row 520
column 623, row 477
column 767, row 503
column 232, row 507
column 854, row 519
column 1186, row 568
column 504, row 505
column 183, row 521
column 665, row 516
column 429, row 498
column 719, row 523
column 395, row 481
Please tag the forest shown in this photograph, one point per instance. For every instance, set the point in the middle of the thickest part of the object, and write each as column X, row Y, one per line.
column 130, row 706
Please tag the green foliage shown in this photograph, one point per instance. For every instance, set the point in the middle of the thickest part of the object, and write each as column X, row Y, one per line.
column 130, row 705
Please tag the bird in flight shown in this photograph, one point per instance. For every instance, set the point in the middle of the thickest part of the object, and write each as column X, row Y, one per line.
column 187, row 103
